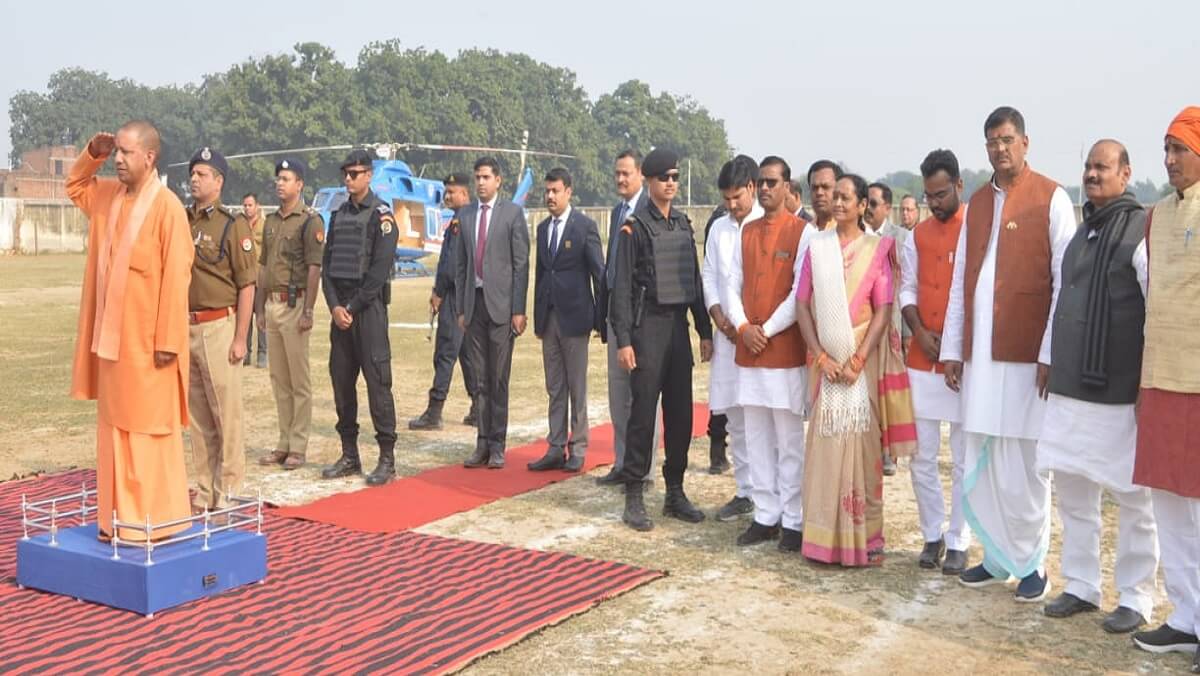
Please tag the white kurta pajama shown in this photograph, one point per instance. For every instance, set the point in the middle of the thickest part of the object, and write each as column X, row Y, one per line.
column 723, row 237
column 933, row 404
column 775, row 402
column 1006, row 500
column 1090, row 447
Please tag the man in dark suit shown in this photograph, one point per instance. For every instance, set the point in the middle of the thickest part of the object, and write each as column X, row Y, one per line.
column 567, row 278
column 627, row 170
column 490, row 286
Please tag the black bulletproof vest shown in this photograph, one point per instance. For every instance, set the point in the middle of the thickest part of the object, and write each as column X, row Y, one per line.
column 1123, row 354
column 673, row 248
column 348, row 256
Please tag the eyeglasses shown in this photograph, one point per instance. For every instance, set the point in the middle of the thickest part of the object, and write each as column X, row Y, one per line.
column 674, row 178
column 1000, row 142
column 769, row 183
column 353, row 174
column 874, row 204
column 937, row 196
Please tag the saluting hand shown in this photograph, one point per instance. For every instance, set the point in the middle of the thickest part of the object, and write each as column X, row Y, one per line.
column 102, row 144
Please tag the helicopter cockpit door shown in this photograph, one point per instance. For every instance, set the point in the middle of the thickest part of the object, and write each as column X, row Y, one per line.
column 410, row 220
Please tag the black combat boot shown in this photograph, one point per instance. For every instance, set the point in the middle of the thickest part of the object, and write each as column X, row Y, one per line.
column 635, row 508
column 347, row 465
column 431, row 419
column 385, row 471
column 678, row 506
column 718, row 463
column 472, row 417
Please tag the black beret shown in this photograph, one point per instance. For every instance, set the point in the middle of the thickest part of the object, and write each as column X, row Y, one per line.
column 457, row 179
column 358, row 157
column 291, row 164
column 659, row 162
column 210, row 157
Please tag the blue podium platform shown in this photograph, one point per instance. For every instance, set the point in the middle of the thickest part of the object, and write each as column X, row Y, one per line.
column 83, row 567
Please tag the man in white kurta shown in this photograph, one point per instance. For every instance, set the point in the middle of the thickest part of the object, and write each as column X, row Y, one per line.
column 1006, row 499
column 736, row 182
column 926, row 270
column 1090, row 436
column 772, row 383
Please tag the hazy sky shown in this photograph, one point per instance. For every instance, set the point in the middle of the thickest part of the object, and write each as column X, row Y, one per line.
column 873, row 84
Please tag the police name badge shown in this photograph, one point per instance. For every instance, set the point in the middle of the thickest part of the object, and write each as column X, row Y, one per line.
column 247, row 244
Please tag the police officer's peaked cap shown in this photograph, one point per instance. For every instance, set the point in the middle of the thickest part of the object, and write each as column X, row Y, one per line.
column 210, row 157
column 291, row 164
column 659, row 162
column 457, row 179
column 357, row 157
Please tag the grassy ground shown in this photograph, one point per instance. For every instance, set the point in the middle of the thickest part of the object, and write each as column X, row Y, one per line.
column 720, row 609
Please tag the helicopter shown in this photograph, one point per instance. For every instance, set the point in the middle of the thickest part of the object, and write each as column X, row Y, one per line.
column 415, row 201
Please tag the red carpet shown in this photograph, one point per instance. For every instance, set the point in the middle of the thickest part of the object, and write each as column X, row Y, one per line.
column 335, row 601
column 416, row 500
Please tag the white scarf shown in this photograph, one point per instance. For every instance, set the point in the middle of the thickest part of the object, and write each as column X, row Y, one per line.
column 844, row 408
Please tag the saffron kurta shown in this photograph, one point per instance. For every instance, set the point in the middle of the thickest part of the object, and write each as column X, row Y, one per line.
column 134, row 303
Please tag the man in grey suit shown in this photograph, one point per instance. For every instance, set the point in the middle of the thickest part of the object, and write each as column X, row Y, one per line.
column 491, row 281
column 568, row 277
column 628, row 173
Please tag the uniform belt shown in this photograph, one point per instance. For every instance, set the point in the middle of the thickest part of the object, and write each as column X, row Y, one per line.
column 201, row 316
column 281, row 296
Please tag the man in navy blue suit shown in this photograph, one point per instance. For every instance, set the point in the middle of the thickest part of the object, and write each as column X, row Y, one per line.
column 568, row 277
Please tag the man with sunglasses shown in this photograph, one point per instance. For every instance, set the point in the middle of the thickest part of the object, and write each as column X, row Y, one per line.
column 927, row 265
column 657, row 283
column 996, row 349
column 220, row 304
column 357, row 272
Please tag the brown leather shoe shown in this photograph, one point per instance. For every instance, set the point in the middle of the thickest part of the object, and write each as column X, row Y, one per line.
column 275, row 457
column 293, row 461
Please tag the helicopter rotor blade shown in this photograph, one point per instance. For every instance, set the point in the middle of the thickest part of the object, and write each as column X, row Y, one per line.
column 267, row 153
column 455, row 148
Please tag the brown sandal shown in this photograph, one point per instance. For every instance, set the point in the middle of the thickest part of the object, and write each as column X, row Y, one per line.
column 293, row 461
column 276, row 457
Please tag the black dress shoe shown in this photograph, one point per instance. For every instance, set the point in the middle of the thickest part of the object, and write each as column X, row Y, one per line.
column 496, row 459
column 1066, row 605
column 612, row 478
column 574, row 462
column 1165, row 639
column 384, row 472
column 1123, row 620
column 678, row 506
column 478, row 459
column 955, row 563
column 790, row 540
column 757, row 533
column 932, row 554
column 345, row 466
column 553, row 459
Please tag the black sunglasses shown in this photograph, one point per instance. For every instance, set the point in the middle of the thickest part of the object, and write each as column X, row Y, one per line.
column 769, row 183
column 668, row 177
column 353, row 174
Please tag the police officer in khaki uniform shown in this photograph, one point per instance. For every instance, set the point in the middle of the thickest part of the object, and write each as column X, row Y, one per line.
column 253, row 215
column 290, row 274
column 220, row 300
column 357, row 274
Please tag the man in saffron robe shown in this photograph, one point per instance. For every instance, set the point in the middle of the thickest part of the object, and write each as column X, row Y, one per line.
column 131, row 354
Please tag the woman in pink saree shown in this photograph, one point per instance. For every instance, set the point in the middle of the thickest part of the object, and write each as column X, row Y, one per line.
column 862, row 406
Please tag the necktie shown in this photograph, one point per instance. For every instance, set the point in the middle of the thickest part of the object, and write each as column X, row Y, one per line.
column 554, row 238
column 481, row 240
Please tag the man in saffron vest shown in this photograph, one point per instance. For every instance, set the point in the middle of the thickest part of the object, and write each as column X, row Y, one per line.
column 131, row 353
column 737, row 184
column 1168, row 442
column 1090, row 433
column 772, row 381
column 927, row 267
column 996, row 348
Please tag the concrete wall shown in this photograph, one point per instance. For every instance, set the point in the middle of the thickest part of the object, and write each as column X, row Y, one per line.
column 41, row 226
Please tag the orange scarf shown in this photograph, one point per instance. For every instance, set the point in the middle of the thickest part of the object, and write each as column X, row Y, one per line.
column 110, row 293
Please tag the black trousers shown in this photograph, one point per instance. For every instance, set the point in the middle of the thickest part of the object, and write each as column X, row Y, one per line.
column 489, row 349
column 664, row 367
column 449, row 348
column 716, row 427
column 365, row 348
